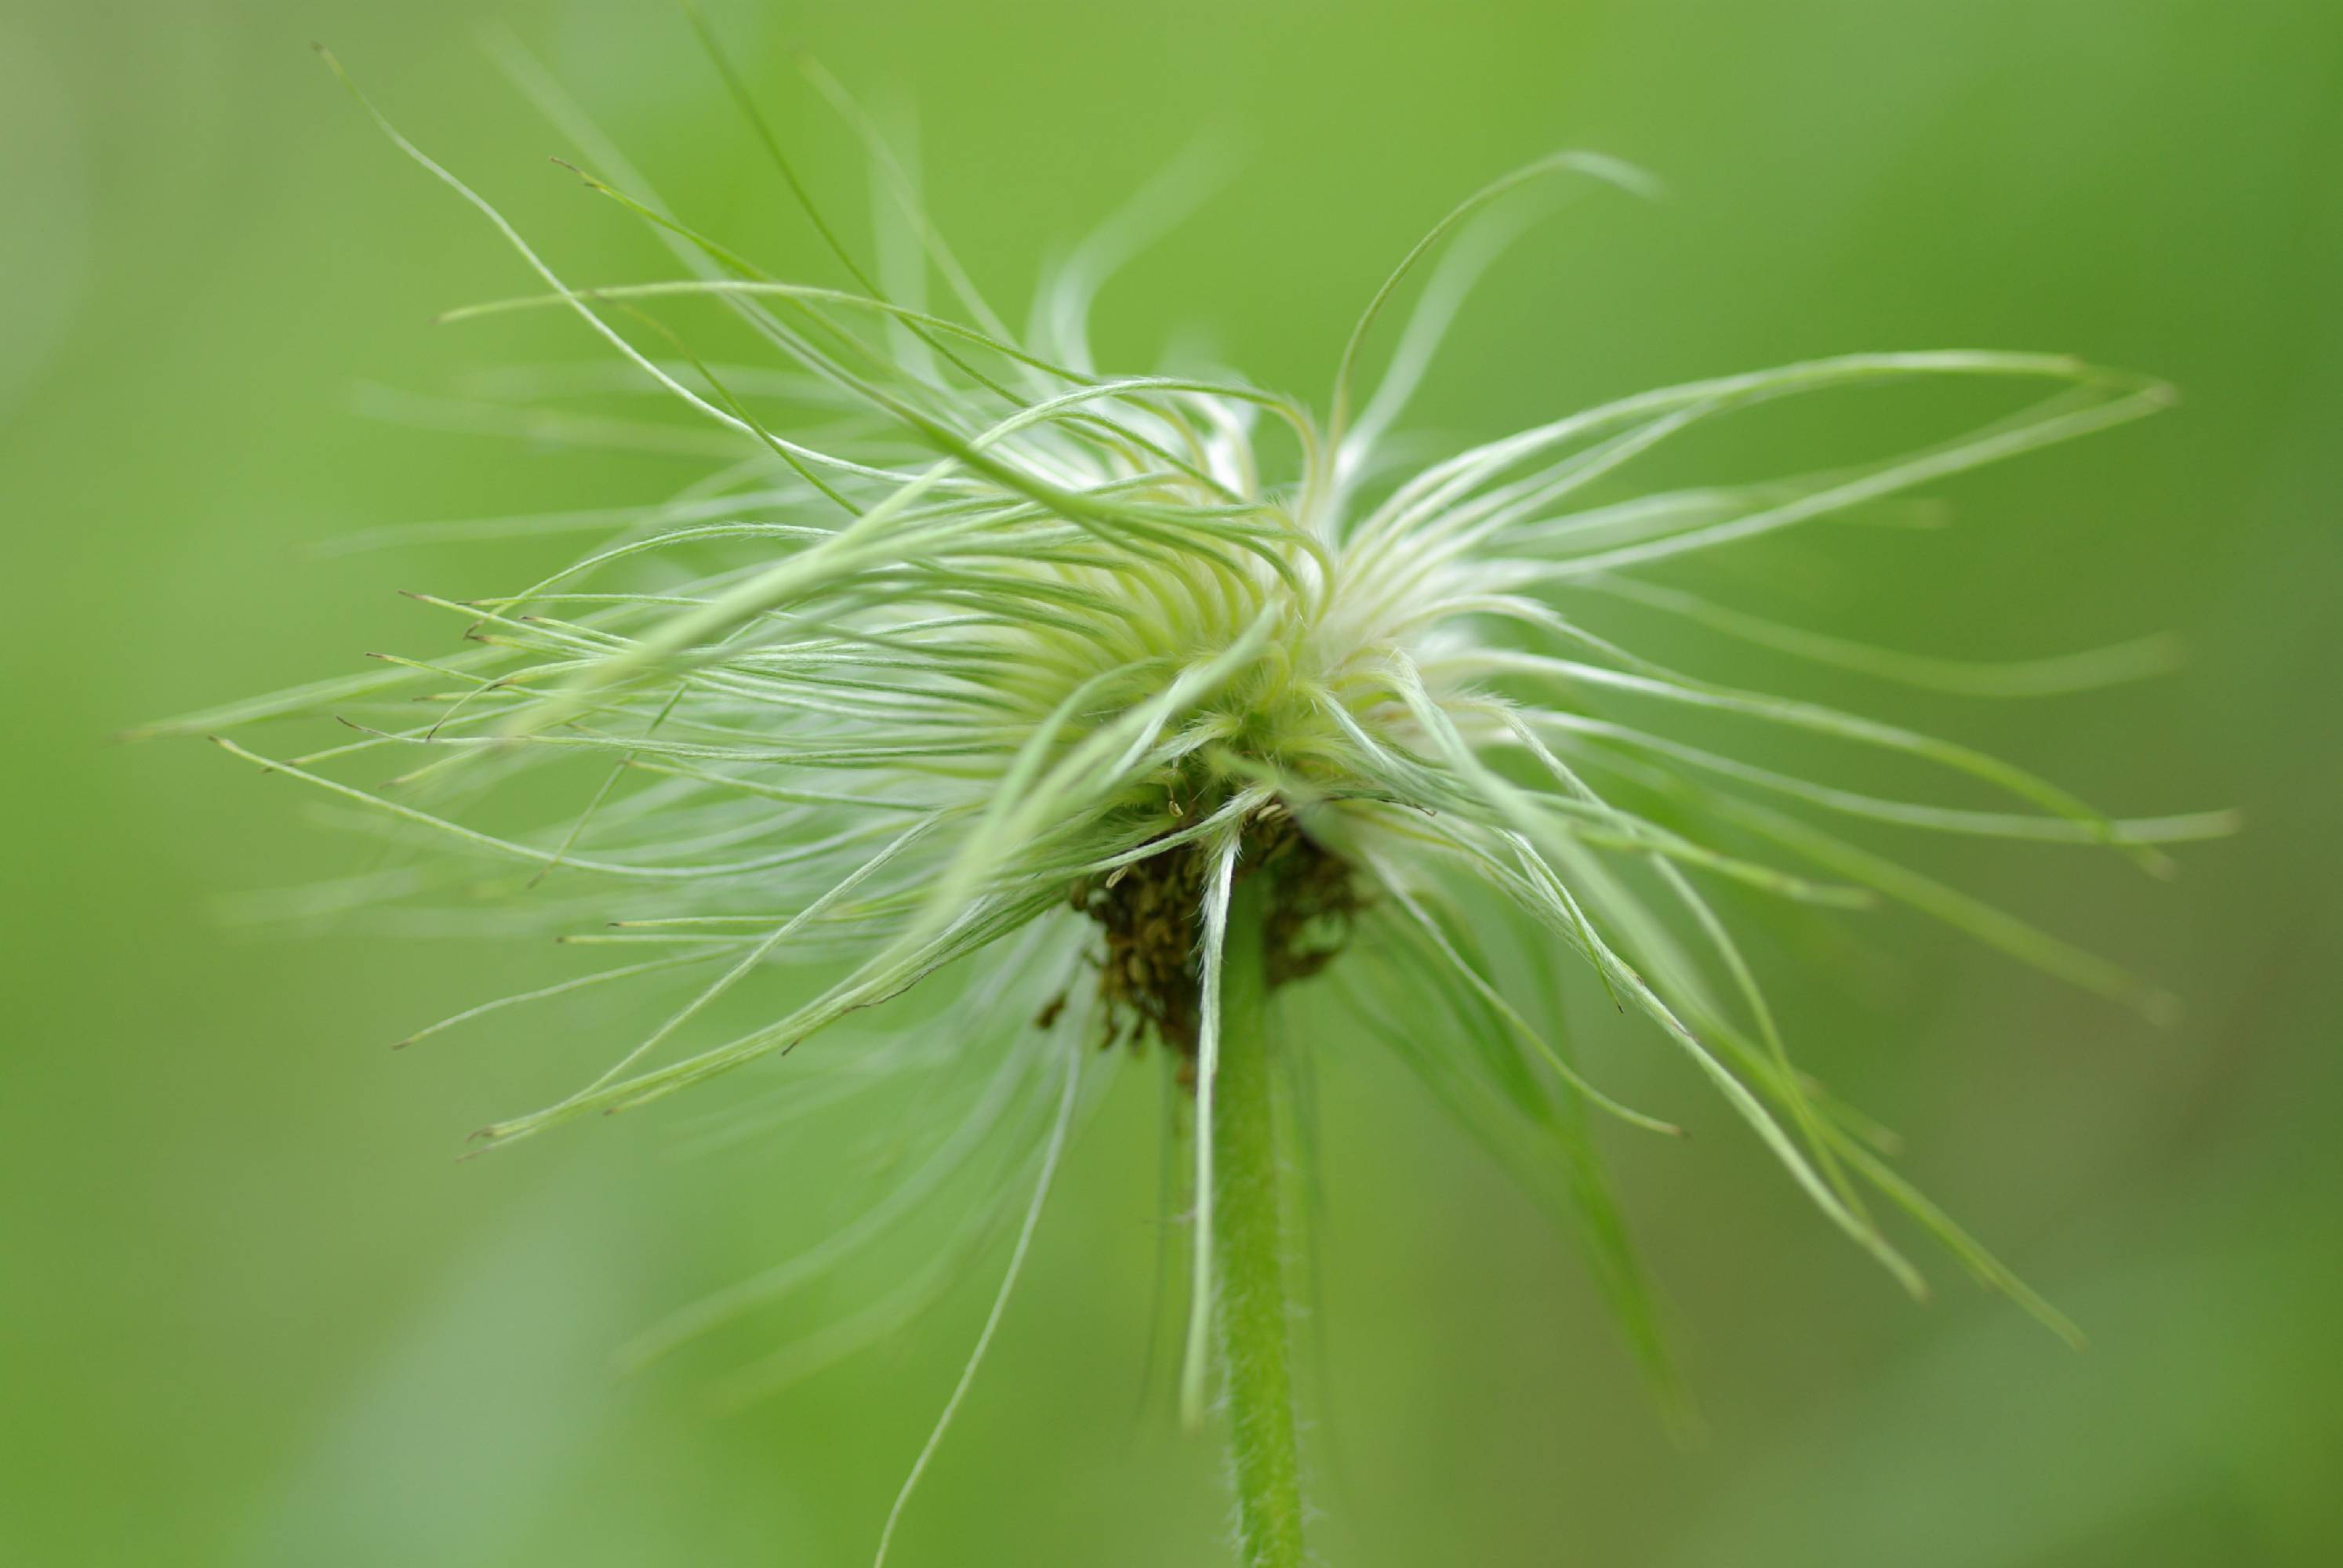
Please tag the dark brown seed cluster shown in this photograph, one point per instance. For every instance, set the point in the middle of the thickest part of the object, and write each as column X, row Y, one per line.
column 1151, row 916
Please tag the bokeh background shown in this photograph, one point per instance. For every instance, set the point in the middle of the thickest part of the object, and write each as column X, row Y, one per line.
column 254, row 1312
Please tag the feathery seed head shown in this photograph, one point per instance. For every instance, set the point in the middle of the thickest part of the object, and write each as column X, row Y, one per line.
column 964, row 645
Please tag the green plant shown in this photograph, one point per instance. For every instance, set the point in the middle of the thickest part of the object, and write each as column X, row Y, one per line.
column 1163, row 694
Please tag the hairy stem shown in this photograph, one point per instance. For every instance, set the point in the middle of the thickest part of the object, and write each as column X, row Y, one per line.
column 1246, row 1231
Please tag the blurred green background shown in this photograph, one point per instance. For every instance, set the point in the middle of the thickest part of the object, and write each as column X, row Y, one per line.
column 253, row 1312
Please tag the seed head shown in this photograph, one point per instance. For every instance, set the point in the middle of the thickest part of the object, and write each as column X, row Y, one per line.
column 963, row 646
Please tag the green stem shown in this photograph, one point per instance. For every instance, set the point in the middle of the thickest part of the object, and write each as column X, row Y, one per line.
column 1246, row 1234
